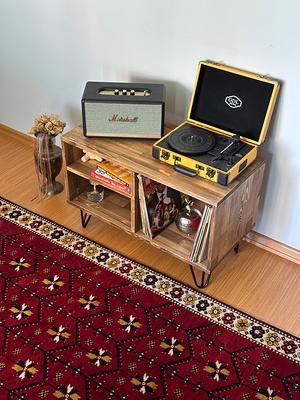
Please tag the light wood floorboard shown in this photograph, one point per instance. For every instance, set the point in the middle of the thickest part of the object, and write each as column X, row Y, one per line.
column 255, row 281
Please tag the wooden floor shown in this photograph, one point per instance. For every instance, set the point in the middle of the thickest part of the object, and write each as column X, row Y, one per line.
column 254, row 281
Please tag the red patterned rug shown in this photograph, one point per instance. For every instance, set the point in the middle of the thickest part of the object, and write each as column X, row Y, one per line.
column 78, row 321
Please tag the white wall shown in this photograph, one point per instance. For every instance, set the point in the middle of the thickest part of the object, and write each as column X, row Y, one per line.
column 50, row 48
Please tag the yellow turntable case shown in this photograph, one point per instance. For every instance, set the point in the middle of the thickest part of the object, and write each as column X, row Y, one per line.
column 225, row 101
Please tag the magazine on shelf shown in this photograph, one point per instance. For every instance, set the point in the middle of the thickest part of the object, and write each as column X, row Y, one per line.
column 107, row 175
column 115, row 171
column 158, row 204
column 199, row 250
column 109, row 181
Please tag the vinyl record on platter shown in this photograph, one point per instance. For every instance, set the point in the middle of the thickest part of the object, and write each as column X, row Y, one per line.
column 191, row 140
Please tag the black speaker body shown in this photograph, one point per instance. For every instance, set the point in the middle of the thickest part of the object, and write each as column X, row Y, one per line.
column 128, row 110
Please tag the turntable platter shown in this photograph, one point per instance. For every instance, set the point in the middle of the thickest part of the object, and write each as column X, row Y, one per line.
column 191, row 140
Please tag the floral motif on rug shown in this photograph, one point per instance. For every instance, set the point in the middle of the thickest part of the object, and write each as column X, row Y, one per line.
column 78, row 321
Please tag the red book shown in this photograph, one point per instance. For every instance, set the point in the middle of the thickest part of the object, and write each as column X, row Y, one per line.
column 110, row 182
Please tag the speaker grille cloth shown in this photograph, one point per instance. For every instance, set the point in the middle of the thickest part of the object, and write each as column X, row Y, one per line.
column 98, row 116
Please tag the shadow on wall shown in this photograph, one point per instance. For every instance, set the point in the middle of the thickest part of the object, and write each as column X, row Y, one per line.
column 272, row 173
column 177, row 98
column 72, row 117
column 73, row 113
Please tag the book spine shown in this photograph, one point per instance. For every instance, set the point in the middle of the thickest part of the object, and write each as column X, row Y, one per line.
column 110, row 182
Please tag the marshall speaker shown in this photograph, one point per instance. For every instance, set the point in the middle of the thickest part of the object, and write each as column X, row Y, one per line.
column 128, row 110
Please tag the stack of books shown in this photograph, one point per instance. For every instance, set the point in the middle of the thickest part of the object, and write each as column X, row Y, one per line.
column 201, row 238
column 113, row 175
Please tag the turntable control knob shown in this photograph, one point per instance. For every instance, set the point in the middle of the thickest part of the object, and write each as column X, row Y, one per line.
column 210, row 172
column 165, row 155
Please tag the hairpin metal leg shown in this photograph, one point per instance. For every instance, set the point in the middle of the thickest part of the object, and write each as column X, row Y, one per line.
column 85, row 218
column 204, row 282
column 237, row 247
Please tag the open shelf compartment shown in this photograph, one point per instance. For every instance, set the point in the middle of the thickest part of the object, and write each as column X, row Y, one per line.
column 114, row 209
column 170, row 238
column 75, row 165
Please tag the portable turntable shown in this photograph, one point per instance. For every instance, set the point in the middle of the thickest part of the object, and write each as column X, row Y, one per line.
column 228, row 118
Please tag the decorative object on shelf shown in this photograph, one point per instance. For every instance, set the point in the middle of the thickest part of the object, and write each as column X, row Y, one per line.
column 90, row 156
column 47, row 155
column 96, row 196
column 188, row 219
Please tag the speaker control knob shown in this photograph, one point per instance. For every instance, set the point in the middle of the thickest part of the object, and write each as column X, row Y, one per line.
column 210, row 172
column 165, row 155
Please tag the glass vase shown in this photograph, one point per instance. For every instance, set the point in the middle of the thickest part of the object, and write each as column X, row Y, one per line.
column 48, row 163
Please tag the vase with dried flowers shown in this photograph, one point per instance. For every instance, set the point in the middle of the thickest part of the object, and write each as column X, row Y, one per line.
column 47, row 155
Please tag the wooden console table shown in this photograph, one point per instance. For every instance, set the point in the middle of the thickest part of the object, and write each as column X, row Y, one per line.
column 234, row 207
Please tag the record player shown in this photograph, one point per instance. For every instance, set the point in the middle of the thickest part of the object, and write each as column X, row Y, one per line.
column 228, row 119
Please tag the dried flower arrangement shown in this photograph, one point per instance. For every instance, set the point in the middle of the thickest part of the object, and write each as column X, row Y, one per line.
column 47, row 124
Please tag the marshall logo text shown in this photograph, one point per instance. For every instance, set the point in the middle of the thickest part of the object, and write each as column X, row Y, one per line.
column 116, row 118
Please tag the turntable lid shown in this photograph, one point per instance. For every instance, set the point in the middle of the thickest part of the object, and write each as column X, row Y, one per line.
column 233, row 102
